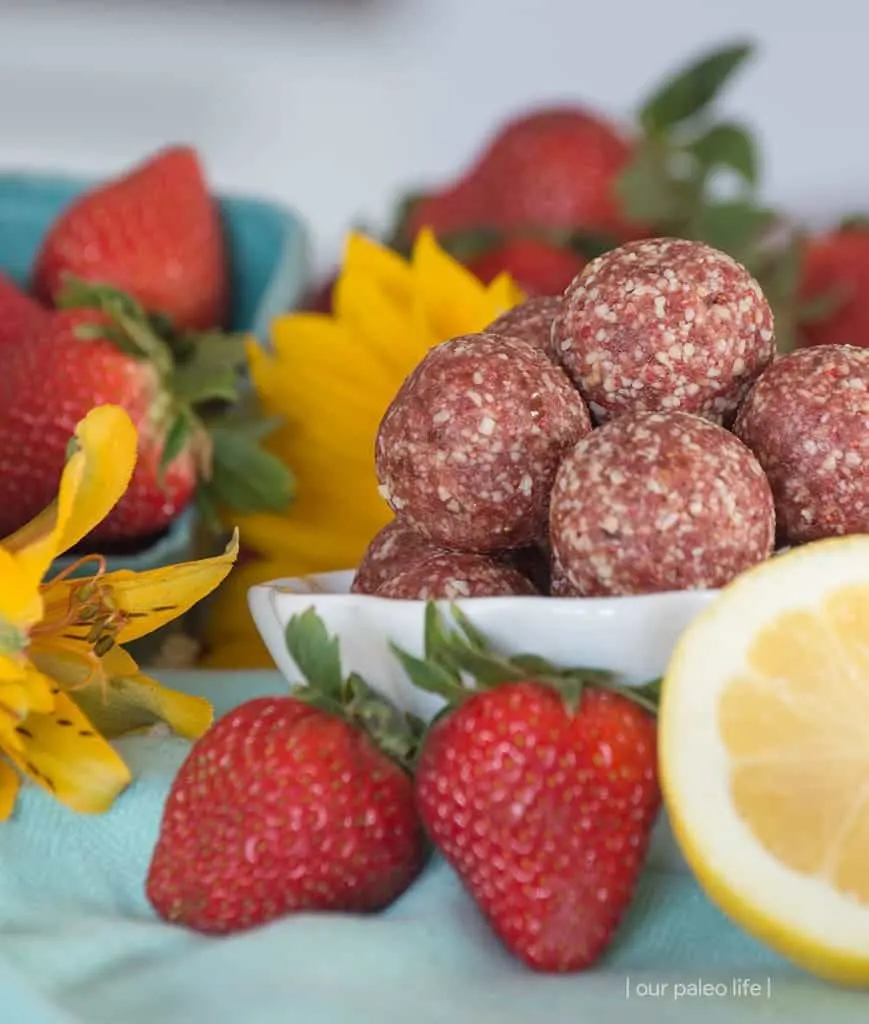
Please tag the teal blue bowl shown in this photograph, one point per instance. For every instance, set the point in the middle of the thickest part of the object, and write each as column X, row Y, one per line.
column 269, row 266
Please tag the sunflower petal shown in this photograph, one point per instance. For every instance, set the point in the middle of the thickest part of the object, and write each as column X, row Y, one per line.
column 503, row 293
column 455, row 300
column 364, row 256
column 383, row 329
column 93, row 481
column 10, row 783
column 64, row 754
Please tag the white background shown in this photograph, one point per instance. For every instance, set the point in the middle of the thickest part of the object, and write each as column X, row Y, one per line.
column 335, row 105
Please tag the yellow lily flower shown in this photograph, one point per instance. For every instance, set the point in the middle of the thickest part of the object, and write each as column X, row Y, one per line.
column 66, row 686
column 330, row 378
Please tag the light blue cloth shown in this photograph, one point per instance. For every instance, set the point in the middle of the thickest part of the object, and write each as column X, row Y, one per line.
column 78, row 942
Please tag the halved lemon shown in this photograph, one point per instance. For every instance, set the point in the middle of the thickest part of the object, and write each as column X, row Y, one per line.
column 764, row 754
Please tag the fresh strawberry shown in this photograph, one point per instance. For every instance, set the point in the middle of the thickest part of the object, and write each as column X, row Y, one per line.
column 51, row 382
column 283, row 806
column 550, row 168
column 540, row 792
column 104, row 348
column 155, row 233
column 19, row 313
column 537, row 266
column 836, row 268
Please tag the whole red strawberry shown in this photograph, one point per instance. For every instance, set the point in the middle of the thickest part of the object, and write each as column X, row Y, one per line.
column 19, row 313
column 836, row 265
column 285, row 807
column 47, row 385
column 537, row 266
column 544, row 812
column 550, row 168
column 155, row 233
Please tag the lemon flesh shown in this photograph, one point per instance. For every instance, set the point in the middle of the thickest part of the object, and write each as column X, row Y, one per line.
column 764, row 754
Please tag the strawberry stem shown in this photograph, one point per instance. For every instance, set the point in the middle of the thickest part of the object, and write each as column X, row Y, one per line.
column 317, row 656
column 460, row 661
column 202, row 373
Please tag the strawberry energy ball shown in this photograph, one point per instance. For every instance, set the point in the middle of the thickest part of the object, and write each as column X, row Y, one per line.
column 453, row 575
column 659, row 502
column 664, row 325
column 807, row 422
column 530, row 321
column 468, row 449
column 395, row 548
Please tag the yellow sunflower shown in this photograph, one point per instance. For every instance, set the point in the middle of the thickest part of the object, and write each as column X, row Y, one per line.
column 330, row 378
column 66, row 686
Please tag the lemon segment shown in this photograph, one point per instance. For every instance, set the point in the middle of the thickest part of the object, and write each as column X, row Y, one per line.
column 764, row 754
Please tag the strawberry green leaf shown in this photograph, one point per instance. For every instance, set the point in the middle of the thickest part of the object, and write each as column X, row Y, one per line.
column 398, row 236
column 854, row 222
column 244, row 477
column 487, row 669
column 435, row 635
column 821, row 307
column 468, row 245
column 734, row 226
column 430, row 676
column 396, row 734
column 189, row 384
column 207, row 510
column 728, row 146
column 472, row 635
column 178, row 435
column 590, row 245
column 782, row 277
column 692, row 89
column 130, row 327
column 317, row 654
column 218, row 350
column 646, row 189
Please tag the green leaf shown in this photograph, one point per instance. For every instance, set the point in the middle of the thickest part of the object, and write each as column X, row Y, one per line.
column 728, row 146
column 786, row 270
column 468, row 245
column 246, row 478
column 647, row 191
column 435, row 635
column 396, row 734
column 77, row 293
column 190, row 385
column 176, row 438
column 854, row 222
column 316, row 653
column 820, row 307
column 734, row 226
column 589, row 245
column 692, row 89
column 476, row 639
column 486, row 667
column 216, row 350
column 207, row 509
column 398, row 236
column 430, row 677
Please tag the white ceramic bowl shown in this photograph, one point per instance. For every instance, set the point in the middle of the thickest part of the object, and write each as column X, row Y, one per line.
column 632, row 636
